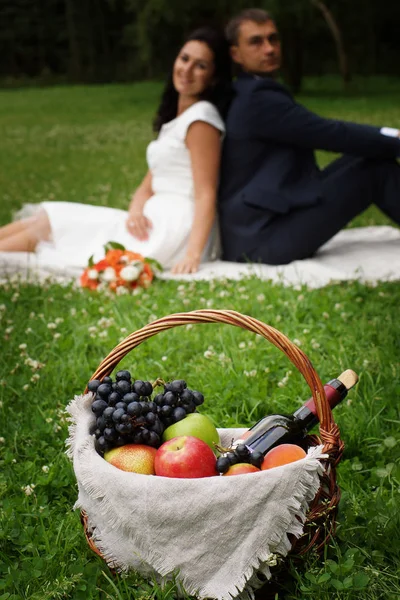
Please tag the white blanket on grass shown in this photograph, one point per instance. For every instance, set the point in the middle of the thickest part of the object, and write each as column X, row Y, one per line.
column 213, row 533
column 367, row 254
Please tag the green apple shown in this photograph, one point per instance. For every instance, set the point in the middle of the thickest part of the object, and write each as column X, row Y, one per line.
column 196, row 425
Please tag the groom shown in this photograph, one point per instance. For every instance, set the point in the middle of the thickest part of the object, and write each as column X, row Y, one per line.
column 275, row 204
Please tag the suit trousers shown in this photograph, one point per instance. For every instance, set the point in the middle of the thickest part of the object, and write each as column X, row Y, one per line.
column 350, row 185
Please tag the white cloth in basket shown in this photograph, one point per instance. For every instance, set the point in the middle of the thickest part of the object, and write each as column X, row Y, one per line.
column 213, row 533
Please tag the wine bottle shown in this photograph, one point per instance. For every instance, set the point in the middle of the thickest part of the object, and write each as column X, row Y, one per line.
column 292, row 429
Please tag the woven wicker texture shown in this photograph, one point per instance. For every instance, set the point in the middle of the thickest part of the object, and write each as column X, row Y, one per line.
column 320, row 523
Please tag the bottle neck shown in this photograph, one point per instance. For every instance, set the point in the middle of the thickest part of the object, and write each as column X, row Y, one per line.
column 335, row 392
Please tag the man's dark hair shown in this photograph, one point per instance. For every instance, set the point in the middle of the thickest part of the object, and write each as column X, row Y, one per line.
column 257, row 15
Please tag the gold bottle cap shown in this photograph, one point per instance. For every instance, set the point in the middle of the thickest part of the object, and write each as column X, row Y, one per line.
column 349, row 378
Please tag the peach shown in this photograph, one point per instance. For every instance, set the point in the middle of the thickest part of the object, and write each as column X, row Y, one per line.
column 241, row 469
column 282, row 455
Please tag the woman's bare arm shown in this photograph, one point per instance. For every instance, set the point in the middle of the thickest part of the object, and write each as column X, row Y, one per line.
column 204, row 143
column 137, row 224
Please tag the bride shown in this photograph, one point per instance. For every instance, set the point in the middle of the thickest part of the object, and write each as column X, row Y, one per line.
column 171, row 216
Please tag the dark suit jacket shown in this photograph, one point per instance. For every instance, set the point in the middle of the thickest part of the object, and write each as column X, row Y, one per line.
column 268, row 163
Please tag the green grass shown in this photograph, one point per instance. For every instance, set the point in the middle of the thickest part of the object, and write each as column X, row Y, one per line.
column 88, row 144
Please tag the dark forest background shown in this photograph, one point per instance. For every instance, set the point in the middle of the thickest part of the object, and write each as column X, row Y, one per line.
column 92, row 41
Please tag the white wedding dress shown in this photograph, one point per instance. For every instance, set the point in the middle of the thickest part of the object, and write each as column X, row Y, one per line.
column 81, row 230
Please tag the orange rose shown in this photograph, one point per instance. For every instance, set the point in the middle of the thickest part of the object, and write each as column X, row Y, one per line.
column 86, row 282
column 101, row 265
column 133, row 255
column 113, row 257
column 121, row 282
column 146, row 276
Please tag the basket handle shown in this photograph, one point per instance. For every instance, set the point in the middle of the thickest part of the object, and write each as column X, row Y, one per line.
column 329, row 431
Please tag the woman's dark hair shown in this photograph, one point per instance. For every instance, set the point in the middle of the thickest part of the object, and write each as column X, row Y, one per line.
column 219, row 94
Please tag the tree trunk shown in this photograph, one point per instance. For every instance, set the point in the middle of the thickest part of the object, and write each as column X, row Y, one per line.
column 41, row 19
column 88, row 20
column 337, row 36
column 293, row 57
column 74, row 59
column 105, row 72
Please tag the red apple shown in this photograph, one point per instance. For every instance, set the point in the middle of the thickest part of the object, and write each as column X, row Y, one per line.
column 135, row 458
column 241, row 469
column 185, row 456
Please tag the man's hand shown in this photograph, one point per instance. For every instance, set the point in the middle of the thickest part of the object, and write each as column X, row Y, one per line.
column 138, row 225
column 390, row 132
column 187, row 265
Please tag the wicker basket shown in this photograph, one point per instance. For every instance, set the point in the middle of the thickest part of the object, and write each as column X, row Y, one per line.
column 321, row 517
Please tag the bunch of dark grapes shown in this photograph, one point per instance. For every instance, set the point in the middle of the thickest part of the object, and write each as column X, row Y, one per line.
column 124, row 412
column 176, row 402
column 240, row 454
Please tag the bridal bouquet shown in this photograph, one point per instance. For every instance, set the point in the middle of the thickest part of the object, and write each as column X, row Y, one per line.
column 120, row 270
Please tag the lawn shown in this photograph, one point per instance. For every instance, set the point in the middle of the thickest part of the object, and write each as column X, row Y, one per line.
column 88, row 144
